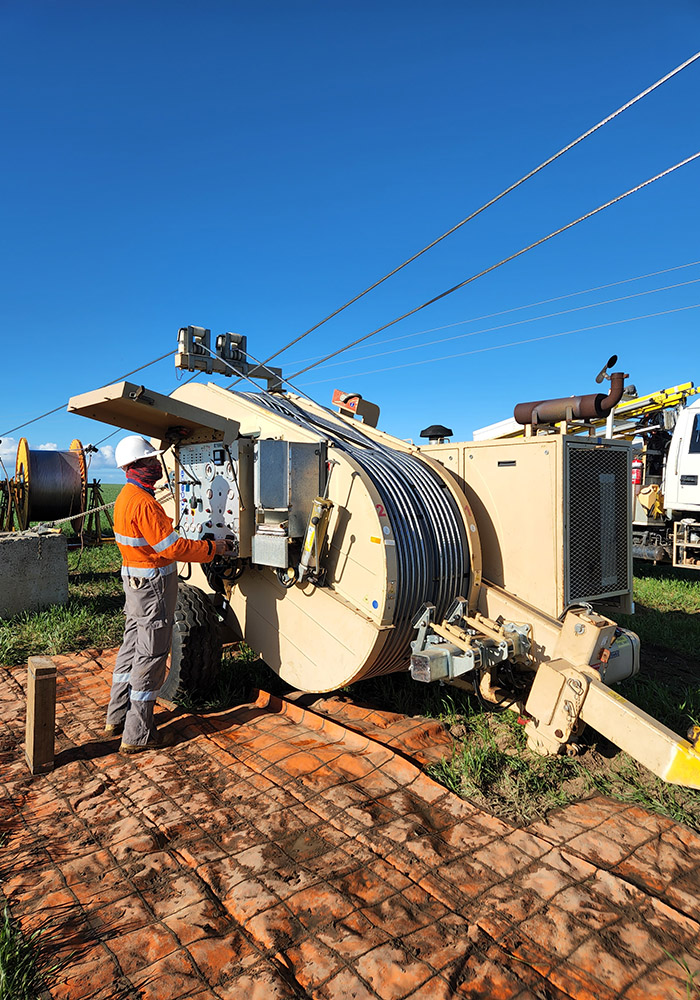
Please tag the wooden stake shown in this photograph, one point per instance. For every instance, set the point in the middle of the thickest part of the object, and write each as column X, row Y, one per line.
column 41, row 714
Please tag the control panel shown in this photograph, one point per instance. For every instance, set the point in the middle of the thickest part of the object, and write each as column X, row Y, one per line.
column 209, row 491
column 258, row 492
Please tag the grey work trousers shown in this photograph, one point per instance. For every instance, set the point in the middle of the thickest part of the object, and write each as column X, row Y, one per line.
column 139, row 670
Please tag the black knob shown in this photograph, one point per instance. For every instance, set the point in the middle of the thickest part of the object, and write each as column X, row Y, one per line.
column 437, row 431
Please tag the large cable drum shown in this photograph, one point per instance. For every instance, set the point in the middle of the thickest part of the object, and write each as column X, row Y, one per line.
column 50, row 484
column 399, row 535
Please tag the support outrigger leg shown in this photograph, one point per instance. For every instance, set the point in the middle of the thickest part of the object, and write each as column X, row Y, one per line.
column 658, row 748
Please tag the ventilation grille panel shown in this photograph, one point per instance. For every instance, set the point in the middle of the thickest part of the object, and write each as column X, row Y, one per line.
column 598, row 536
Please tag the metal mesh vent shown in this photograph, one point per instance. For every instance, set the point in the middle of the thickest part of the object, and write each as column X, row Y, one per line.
column 598, row 530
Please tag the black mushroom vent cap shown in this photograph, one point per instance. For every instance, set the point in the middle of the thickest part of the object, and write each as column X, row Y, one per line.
column 437, row 431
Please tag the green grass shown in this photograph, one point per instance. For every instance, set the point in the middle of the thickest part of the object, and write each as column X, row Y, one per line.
column 674, row 630
column 242, row 671
column 92, row 617
column 692, row 988
column 23, row 969
column 490, row 763
column 667, row 589
column 677, row 705
column 626, row 780
column 667, row 604
column 492, row 766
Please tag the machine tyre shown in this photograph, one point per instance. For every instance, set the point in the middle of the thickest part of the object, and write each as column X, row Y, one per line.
column 196, row 647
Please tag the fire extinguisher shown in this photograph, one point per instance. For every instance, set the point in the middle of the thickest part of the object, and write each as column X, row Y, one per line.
column 637, row 466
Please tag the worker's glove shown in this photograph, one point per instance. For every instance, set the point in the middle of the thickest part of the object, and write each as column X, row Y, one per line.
column 224, row 547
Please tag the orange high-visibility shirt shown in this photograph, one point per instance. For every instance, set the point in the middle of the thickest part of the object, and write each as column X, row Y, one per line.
column 148, row 543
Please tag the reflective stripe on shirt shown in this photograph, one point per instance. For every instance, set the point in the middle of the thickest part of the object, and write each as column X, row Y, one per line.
column 149, row 572
column 166, row 542
column 125, row 540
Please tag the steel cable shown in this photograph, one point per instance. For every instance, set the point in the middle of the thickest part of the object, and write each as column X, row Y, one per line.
column 55, row 484
column 119, row 429
column 501, row 326
column 488, row 204
column 540, row 302
column 500, row 263
column 512, row 343
column 48, row 413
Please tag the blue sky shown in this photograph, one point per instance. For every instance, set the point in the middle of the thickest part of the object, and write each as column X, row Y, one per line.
column 249, row 167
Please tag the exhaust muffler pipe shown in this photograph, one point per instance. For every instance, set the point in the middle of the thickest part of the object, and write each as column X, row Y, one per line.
column 550, row 411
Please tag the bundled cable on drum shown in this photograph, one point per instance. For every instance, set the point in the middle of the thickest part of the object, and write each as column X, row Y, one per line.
column 431, row 544
column 50, row 485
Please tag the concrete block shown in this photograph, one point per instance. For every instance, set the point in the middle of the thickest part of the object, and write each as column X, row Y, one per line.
column 33, row 572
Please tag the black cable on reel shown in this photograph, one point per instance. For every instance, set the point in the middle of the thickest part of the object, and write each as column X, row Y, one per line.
column 431, row 543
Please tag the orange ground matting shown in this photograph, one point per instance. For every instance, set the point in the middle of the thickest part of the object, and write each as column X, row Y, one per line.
column 284, row 851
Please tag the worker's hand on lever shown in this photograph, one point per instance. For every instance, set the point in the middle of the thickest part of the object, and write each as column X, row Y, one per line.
column 223, row 547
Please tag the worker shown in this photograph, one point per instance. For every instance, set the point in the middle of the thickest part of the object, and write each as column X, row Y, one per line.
column 150, row 550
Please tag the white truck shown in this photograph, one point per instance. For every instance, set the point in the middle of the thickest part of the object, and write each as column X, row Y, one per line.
column 666, row 523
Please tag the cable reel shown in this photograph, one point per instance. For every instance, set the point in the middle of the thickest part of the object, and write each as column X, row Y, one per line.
column 431, row 542
column 50, row 485
column 391, row 531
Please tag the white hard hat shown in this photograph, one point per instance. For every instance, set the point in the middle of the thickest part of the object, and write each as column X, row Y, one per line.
column 132, row 449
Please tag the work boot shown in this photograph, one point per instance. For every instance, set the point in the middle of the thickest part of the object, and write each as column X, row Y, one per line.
column 157, row 742
column 114, row 729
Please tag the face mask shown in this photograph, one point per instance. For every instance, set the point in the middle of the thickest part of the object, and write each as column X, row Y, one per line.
column 153, row 473
column 146, row 476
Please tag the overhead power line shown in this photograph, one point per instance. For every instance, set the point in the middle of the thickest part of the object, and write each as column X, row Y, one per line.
column 34, row 420
column 488, row 204
column 64, row 405
column 514, row 343
column 500, row 263
column 505, row 326
column 528, row 305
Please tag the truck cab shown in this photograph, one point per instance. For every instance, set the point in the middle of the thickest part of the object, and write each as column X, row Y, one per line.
column 682, row 472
